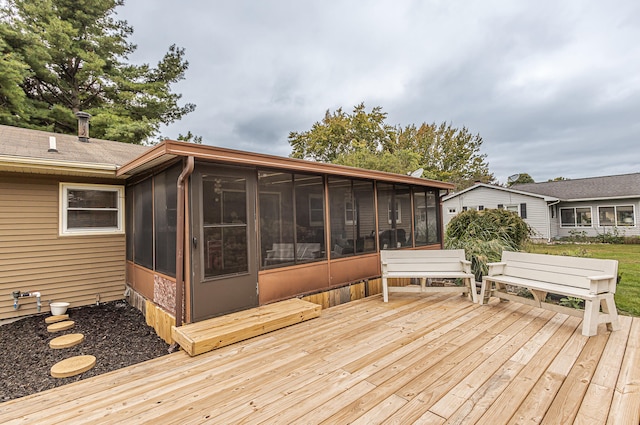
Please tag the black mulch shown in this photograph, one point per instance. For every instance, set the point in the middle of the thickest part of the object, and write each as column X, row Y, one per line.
column 115, row 333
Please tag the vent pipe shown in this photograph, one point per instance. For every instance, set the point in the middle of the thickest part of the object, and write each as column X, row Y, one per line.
column 52, row 144
column 83, row 126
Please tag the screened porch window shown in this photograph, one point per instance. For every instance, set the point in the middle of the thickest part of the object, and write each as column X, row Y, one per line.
column 91, row 209
column 352, row 217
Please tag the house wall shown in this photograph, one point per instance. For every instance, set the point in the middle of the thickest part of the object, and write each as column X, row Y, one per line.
column 537, row 211
column 595, row 229
column 33, row 257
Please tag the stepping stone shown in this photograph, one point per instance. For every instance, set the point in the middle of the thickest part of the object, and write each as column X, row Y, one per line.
column 66, row 341
column 58, row 318
column 72, row 366
column 61, row 326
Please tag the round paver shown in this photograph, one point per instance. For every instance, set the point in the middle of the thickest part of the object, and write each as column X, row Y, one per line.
column 58, row 318
column 61, row 326
column 72, row 366
column 66, row 341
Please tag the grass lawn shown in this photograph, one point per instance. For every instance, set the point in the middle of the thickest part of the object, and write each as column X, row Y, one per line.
column 628, row 291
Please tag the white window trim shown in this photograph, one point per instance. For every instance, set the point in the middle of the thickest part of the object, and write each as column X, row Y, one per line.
column 354, row 218
column 315, row 197
column 398, row 212
column 575, row 218
column 63, row 191
column 615, row 214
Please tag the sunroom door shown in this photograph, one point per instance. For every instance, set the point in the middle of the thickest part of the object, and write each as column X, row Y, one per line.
column 224, row 248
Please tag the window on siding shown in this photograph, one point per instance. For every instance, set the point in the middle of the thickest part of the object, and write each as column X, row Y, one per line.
column 618, row 215
column 575, row 217
column 91, row 209
column 520, row 209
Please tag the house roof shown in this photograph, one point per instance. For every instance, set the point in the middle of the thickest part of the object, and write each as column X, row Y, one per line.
column 606, row 187
column 25, row 150
column 168, row 150
column 500, row 188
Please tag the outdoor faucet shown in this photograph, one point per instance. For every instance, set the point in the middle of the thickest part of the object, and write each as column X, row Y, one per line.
column 15, row 295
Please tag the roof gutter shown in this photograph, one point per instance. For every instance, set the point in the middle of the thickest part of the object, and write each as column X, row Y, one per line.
column 180, row 237
column 19, row 163
column 549, row 216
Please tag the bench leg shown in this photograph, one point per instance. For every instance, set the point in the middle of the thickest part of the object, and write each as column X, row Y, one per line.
column 485, row 291
column 590, row 320
column 609, row 307
column 385, row 290
column 471, row 285
column 538, row 296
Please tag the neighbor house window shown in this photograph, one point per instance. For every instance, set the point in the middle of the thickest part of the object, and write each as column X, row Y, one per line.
column 575, row 217
column 91, row 209
column 620, row 215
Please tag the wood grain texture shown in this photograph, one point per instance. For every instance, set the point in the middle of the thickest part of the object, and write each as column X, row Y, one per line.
column 433, row 359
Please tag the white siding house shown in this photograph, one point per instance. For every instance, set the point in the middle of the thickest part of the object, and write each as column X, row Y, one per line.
column 533, row 208
column 590, row 206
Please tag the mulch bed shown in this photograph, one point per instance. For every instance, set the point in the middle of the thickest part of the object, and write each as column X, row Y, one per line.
column 115, row 333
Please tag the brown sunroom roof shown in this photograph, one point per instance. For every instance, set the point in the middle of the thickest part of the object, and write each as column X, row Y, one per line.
column 169, row 150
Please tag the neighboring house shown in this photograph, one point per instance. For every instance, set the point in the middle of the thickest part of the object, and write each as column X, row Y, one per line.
column 591, row 206
column 194, row 230
column 533, row 208
column 62, row 228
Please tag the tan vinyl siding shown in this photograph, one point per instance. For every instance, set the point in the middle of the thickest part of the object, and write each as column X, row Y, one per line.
column 33, row 257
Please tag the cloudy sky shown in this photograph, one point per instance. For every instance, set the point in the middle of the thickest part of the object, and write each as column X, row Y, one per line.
column 553, row 87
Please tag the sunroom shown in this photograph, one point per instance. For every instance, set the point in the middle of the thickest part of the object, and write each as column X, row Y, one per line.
column 237, row 230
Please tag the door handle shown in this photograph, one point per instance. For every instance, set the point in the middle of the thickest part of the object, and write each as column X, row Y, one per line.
column 195, row 242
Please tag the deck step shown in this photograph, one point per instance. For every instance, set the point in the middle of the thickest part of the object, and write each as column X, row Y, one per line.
column 54, row 319
column 61, row 326
column 66, row 341
column 200, row 337
column 72, row 366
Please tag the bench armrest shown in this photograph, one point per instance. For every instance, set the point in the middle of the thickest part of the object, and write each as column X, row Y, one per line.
column 466, row 266
column 602, row 283
column 601, row 277
column 495, row 268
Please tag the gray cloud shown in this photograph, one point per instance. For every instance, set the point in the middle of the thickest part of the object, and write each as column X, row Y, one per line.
column 552, row 87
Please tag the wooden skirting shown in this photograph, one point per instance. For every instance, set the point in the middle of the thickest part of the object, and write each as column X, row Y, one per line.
column 160, row 320
column 207, row 335
column 352, row 292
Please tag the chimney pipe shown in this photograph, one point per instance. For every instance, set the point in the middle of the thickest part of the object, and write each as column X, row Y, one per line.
column 52, row 144
column 83, row 126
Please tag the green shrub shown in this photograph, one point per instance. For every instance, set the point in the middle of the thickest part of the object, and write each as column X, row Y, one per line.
column 485, row 234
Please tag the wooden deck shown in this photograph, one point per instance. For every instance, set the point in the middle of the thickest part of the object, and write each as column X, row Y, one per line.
column 418, row 359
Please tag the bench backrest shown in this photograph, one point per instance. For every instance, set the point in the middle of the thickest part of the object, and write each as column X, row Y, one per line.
column 561, row 270
column 444, row 260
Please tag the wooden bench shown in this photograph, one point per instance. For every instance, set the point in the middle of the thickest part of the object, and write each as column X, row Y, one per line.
column 592, row 280
column 426, row 264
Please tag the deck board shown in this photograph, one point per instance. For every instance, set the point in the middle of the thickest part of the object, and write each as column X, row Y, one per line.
column 431, row 359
